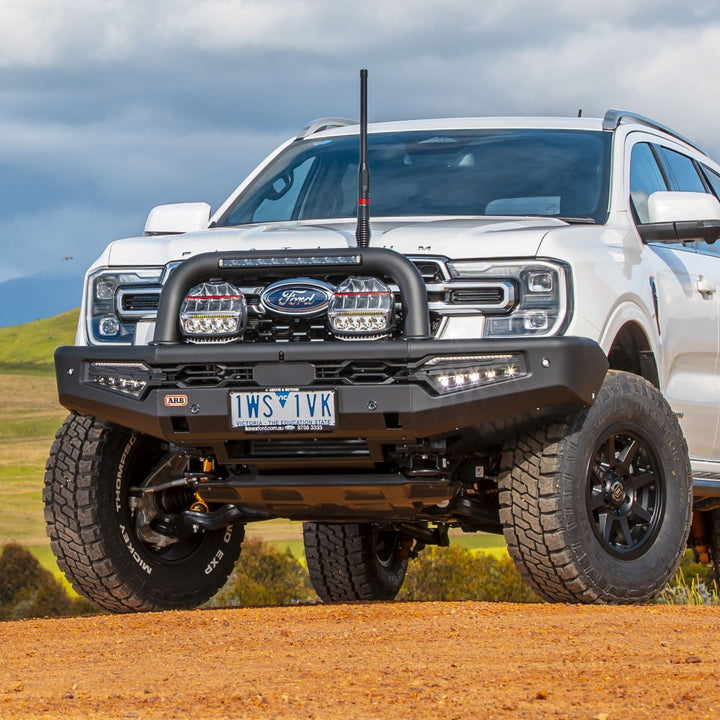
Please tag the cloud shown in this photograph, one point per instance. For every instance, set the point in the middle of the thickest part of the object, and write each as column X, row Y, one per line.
column 108, row 107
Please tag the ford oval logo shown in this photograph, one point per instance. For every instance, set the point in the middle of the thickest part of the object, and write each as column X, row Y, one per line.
column 297, row 297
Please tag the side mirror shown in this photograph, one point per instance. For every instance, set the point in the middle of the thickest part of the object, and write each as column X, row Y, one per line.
column 681, row 217
column 177, row 218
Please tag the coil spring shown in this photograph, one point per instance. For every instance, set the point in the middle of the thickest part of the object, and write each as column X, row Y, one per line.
column 176, row 499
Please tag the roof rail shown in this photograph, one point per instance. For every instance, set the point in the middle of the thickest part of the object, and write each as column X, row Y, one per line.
column 613, row 118
column 324, row 124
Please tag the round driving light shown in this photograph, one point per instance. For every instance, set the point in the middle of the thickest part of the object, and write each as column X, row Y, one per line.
column 536, row 320
column 109, row 326
column 213, row 312
column 362, row 308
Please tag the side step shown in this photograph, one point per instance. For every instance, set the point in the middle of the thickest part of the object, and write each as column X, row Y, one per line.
column 706, row 490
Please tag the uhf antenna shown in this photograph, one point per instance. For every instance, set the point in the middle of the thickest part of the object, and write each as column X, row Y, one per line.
column 362, row 232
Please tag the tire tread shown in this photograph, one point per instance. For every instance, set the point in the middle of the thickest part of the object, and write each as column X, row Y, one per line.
column 95, row 568
column 532, row 496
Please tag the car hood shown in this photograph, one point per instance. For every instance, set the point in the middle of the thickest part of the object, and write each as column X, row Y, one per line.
column 452, row 238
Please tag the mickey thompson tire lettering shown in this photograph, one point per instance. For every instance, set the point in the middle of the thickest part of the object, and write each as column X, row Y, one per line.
column 597, row 509
column 91, row 466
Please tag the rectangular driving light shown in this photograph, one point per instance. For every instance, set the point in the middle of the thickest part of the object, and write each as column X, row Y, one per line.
column 124, row 378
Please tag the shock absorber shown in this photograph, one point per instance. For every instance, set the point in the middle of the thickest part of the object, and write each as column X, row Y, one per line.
column 699, row 538
column 208, row 469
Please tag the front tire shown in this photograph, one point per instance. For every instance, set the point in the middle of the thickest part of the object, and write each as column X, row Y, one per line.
column 598, row 509
column 101, row 532
column 354, row 561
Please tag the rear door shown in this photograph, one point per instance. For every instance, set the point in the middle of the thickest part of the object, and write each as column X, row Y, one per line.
column 687, row 290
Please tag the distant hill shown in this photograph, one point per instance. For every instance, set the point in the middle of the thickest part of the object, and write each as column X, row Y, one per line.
column 38, row 296
column 30, row 347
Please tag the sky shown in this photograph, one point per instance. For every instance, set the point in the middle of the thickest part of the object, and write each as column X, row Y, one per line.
column 109, row 107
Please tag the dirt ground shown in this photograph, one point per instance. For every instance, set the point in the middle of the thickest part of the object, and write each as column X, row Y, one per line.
column 419, row 660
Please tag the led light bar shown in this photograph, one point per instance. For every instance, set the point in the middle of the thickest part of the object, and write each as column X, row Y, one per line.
column 448, row 374
column 289, row 261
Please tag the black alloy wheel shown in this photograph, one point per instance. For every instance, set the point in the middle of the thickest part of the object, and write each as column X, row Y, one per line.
column 626, row 492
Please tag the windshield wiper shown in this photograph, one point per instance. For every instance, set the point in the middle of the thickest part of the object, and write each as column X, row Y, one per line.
column 578, row 220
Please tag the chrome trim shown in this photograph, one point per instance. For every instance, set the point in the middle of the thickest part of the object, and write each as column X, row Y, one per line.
column 137, row 314
column 439, row 260
column 445, row 307
column 168, row 269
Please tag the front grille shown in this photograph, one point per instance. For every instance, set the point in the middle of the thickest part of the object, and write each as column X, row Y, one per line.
column 241, row 375
column 351, row 372
column 210, row 375
column 299, row 329
column 446, row 297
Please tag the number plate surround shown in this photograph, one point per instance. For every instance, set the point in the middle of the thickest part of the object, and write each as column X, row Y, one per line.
column 283, row 410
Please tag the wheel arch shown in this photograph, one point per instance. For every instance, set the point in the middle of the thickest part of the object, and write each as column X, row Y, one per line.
column 630, row 345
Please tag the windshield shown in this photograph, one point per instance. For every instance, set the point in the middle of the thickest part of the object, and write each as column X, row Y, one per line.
column 555, row 173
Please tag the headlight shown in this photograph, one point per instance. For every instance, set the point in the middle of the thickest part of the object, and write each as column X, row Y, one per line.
column 542, row 290
column 464, row 372
column 108, row 322
column 362, row 308
column 213, row 312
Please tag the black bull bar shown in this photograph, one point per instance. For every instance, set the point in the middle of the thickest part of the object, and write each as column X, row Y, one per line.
column 563, row 373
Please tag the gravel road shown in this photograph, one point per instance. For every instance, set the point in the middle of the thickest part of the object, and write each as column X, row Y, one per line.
column 399, row 661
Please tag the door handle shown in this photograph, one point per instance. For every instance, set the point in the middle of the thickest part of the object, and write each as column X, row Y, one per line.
column 704, row 286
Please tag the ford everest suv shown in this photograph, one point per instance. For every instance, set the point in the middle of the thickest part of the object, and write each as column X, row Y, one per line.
column 522, row 339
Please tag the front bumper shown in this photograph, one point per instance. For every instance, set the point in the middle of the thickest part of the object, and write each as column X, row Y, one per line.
column 379, row 398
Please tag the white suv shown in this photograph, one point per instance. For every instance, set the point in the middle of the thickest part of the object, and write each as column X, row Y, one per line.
column 263, row 363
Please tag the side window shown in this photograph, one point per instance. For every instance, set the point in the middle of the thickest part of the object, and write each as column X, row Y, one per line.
column 714, row 179
column 645, row 179
column 684, row 174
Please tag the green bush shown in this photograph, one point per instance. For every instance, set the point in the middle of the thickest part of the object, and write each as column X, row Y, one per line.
column 455, row 573
column 265, row 576
column 29, row 590
column 693, row 584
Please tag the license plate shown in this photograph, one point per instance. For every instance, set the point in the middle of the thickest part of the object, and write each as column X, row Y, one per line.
column 283, row 410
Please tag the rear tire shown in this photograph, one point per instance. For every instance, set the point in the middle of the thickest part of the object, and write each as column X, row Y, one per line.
column 100, row 531
column 353, row 561
column 597, row 510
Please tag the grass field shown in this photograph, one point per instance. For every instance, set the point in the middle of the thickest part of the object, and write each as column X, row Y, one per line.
column 29, row 417
column 28, row 349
